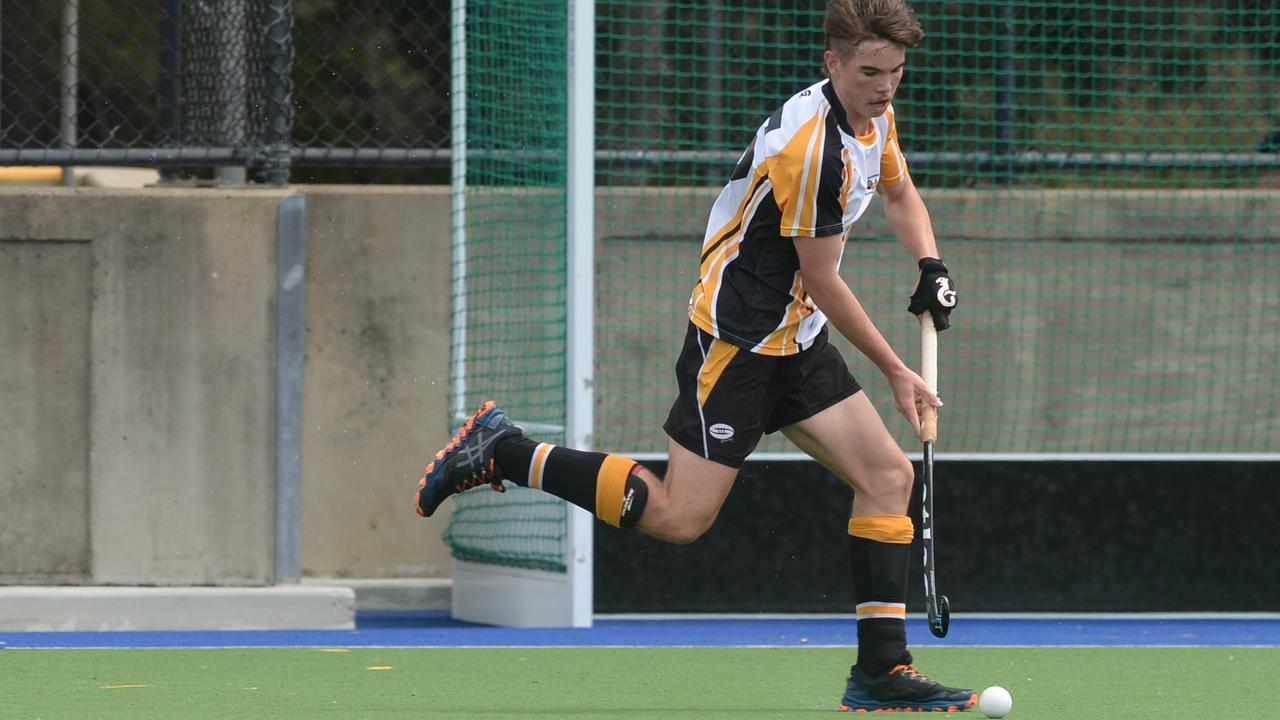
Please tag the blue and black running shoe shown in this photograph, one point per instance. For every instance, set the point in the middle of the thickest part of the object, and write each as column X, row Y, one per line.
column 467, row 461
column 902, row 689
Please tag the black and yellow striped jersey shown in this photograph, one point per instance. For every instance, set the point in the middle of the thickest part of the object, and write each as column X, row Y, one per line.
column 805, row 174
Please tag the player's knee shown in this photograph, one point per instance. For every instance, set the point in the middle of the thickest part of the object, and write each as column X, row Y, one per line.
column 679, row 529
column 686, row 533
column 904, row 476
column 894, row 480
column 901, row 479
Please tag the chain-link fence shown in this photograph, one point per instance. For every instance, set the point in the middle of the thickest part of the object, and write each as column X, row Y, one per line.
column 257, row 84
column 270, row 85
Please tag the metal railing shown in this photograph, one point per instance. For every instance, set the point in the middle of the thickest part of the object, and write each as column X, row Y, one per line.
column 248, row 88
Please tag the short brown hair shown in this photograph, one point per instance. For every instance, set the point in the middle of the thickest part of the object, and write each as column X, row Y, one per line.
column 850, row 22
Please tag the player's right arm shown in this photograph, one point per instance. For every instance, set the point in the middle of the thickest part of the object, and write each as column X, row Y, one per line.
column 820, row 274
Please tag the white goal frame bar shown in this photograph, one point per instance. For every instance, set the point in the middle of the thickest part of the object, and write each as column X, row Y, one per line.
column 495, row 594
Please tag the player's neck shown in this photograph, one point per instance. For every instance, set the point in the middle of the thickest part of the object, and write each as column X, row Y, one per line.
column 857, row 124
column 861, row 126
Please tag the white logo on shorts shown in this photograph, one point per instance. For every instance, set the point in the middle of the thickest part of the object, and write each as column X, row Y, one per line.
column 721, row 432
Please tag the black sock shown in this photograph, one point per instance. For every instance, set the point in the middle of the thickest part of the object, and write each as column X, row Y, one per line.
column 601, row 483
column 880, row 552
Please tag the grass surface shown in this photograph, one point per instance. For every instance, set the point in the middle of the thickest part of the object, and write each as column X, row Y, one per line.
column 613, row 683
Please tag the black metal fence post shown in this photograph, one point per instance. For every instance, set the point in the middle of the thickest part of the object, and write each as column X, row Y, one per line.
column 169, row 91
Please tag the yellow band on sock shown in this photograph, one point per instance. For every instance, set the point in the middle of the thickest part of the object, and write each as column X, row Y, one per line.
column 896, row 529
column 538, row 464
column 881, row 610
column 611, row 483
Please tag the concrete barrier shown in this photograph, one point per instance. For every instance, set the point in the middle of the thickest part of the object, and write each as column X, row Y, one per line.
column 104, row 609
column 376, row 390
column 137, row 375
column 137, row 364
column 1077, row 308
column 164, row 349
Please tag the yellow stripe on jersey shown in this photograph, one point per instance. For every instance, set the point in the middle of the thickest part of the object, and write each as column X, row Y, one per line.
column 796, row 310
column 848, row 177
column 735, row 228
column 893, row 166
column 737, row 220
column 713, row 266
column 795, row 177
column 812, row 176
column 713, row 366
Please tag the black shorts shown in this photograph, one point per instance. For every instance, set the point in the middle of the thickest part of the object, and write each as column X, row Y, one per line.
column 730, row 397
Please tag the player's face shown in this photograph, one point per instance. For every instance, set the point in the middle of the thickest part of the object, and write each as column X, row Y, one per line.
column 866, row 78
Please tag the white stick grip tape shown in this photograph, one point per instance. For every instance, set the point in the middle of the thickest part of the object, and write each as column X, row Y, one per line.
column 929, row 371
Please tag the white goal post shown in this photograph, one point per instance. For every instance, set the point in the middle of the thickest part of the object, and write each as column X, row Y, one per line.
column 497, row 594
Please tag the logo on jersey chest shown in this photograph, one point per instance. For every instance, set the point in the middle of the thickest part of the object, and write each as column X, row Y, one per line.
column 873, row 182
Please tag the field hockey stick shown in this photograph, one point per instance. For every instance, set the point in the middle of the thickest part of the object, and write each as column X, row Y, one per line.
column 937, row 606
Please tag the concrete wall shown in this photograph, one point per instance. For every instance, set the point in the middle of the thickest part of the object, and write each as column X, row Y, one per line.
column 1077, row 307
column 141, row 386
column 137, row 386
column 376, row 392
column 44, row 408
column 137, row 383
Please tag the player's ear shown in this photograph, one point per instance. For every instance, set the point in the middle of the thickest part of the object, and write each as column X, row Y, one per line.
column 829, row 61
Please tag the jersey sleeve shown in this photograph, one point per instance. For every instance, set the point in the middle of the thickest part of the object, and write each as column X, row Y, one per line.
column 893, row 166
column 808, row 180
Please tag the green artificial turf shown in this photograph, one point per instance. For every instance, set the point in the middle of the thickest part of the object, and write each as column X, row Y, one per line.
column 615, row 683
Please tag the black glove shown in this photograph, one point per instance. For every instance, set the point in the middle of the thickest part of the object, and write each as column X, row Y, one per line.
column 935, row 293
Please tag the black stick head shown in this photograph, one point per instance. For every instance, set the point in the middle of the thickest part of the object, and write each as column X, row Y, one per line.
column 940, row 621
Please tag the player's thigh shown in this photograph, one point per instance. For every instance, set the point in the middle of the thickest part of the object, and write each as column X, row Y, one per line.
column 722, row 399
column 689, row 497
column 851, row 440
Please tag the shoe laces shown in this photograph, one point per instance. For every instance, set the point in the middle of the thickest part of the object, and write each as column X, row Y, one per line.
column 456, row 440
column 485, row 475
column 911, row 671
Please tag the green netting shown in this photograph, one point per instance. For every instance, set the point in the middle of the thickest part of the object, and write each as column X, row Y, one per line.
column 514, row 324
column 1103, row 178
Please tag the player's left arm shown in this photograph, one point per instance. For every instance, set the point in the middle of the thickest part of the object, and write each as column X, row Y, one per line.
column 909, row 218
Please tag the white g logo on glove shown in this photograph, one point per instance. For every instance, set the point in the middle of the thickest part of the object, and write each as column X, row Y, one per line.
column 946, row 294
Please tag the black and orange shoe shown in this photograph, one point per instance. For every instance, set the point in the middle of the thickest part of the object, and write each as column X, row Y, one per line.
column 467, row 461
column 902, row 689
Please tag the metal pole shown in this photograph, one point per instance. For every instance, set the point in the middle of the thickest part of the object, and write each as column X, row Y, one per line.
column 170, row 81
column 290, row 350
column 233, row 72
column 458, row 199
column 279, row 117
column 70, row 79
column 580, row 293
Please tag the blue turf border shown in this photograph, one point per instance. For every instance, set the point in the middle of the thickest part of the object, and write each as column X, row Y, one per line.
column 436, row 629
